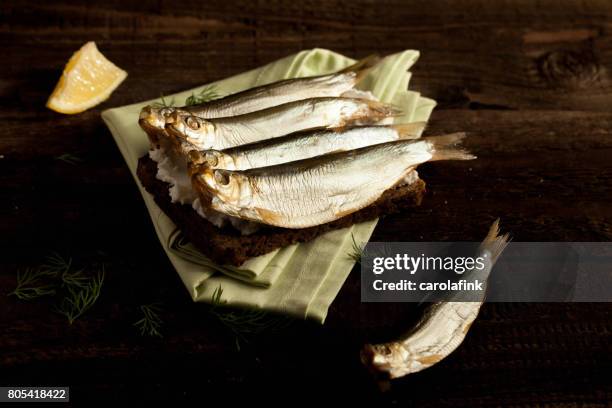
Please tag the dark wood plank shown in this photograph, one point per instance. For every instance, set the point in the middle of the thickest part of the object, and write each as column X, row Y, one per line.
column 517, row 55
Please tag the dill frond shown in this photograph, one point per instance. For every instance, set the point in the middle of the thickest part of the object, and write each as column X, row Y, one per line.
column 55, row 276
column 245, row 323
column 150, row 323
column 30, row 286
column 207, row 94
column 76, row 278
column 69, row 158
column 81, row 298
column 163, row 103
column 356, row 251
column 216, row 297
column 56, row 265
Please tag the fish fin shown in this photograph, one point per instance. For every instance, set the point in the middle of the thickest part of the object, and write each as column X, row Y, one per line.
column 343, row 213
column 447, row 147
column 409, row 130
column 380, row 110
column 362, row 67
column 268, row 216
column 347, row 208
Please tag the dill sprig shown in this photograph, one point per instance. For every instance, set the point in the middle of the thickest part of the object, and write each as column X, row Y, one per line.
column 207, row 94
column 216, row 297
column 356, row 251
column 31, row 285
column 163, row 103
column 75, row 279
column 81, row 298
column 150, row 323
column 69, row 158
column 60, row 267
column 34, row 282
column 57, row 277
column 56, row 265
column 245, row 324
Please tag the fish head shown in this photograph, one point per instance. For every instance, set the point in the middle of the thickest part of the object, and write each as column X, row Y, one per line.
column 226, row 185
column 152, row 121
column 190, row 128
column 216, row 159
column 196, row 158
column 393, row 360
column 195, row 163
column 154, row 118
column 213, row 159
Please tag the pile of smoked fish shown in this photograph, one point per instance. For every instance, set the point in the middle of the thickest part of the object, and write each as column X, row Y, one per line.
column 295, row 153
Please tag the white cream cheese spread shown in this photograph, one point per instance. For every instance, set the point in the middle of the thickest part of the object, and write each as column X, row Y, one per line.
column 172, row 169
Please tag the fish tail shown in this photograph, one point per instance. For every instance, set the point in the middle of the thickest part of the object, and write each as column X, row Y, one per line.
column 362, row 67
column 409, row 130
column 495, row 243
column 447, row 147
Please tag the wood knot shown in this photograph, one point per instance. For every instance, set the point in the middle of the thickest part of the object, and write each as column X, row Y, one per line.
column 570, row 69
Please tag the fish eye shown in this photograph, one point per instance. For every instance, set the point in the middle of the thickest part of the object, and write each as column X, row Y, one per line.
column 211, row 158
column 222, row 178
column 192, row 122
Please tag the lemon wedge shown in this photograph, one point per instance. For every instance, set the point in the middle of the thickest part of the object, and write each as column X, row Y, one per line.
column 88, row 79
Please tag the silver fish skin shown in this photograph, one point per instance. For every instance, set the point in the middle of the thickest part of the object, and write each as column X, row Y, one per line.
column 442, row 328
column 194, row 133
column 153, row 119
column 322, row 189
column 303, row 145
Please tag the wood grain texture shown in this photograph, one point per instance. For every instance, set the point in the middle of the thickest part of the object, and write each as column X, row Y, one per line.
column 530, row 83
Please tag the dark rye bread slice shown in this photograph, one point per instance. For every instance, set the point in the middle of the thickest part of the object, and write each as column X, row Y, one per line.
column 227, row 246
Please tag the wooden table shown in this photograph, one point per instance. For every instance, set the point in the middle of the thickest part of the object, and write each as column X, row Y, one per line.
column 529, row 81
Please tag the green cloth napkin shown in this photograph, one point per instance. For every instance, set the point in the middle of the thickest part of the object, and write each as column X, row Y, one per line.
column 301, row 280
